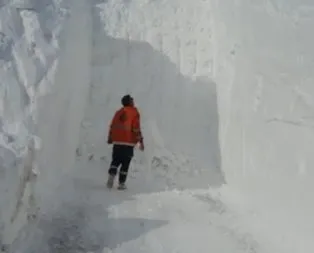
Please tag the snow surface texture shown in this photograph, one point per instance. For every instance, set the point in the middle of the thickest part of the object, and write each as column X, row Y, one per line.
column 84, row 217
column 263, row 68
column 29, row 34
column 198, row 70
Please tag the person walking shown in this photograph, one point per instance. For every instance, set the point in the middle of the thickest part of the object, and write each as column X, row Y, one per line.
column 124, row 133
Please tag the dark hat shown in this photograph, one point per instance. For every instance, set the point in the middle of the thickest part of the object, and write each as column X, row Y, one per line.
column 126, row 100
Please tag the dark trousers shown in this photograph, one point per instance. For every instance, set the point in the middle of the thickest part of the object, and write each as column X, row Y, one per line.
column 121, row 155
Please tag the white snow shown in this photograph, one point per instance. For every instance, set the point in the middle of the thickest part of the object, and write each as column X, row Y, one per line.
column 224, row 90
column 29, row 34
column 264, row 57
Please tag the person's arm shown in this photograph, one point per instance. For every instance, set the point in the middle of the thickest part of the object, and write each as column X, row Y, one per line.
column 109, row 138
column 137, row 130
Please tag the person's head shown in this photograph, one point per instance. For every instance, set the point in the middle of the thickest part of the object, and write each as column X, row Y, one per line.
column 127, row 100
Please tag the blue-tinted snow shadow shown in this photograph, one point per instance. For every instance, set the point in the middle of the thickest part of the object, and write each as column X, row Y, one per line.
column 78, row 222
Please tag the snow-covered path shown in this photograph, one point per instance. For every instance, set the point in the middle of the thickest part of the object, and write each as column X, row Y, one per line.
column 162, row 211
column 167, row 207
column 140, row 220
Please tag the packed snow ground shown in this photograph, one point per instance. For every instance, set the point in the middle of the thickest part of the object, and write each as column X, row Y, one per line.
column 188, row 76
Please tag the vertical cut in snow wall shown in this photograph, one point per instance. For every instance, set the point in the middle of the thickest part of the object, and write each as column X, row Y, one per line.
column 264, row 71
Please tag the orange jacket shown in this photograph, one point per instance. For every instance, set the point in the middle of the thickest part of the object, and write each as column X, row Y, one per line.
column 125, row 127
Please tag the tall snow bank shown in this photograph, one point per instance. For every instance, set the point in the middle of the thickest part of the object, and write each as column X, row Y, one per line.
column 61, row 112
column 29, row 34
column 164, row 59
column 264, row 71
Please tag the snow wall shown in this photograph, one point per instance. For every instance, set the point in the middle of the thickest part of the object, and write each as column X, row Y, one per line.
column 260, row 59
column 264, row 74
column 152, row 51
column 29, row 43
